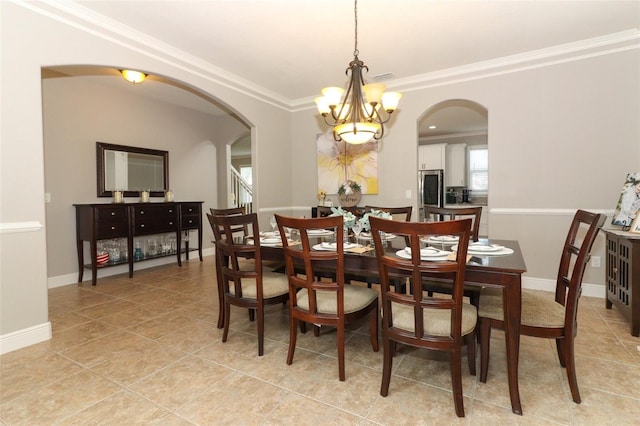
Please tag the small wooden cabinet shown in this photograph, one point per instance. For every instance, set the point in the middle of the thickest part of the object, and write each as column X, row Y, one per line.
column 623, row 275
column 95, row 222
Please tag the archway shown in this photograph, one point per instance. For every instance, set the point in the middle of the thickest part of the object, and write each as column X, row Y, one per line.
column 453, row 136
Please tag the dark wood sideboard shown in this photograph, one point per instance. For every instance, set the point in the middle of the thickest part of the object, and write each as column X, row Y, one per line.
column 623, row 275
column 131, row 221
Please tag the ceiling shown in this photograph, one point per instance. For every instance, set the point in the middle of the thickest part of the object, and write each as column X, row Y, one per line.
column 287, row 50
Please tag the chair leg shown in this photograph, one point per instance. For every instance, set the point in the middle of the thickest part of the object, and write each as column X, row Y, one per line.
column 388, row 348
column 227, row 320
column 471, row 352
column 341, row 370
column 456, row 381
column 570, row 362
column 485, row 337
column 373, row 329
column 561, row 352
column 293, row 334
column 260, row 314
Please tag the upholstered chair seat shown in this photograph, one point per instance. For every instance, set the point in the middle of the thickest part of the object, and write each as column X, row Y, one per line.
column 539, row 308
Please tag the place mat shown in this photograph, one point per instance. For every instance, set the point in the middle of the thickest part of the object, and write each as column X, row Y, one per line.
column 367, row 236
column 290, row 242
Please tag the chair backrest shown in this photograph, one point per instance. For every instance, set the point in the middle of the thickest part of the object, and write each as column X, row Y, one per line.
column 233, row 211
column 391, row 266
column 437, row 214
column 398, row 213
column 302, row 263
column 238, row 256
column 573, row 261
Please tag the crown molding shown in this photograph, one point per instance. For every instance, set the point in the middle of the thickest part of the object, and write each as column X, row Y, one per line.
column 75, row 15
column 569, row 52
column 82, row 18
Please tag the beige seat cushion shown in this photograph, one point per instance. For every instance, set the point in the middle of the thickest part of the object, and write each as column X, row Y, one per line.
column 437, row 322
column 539, row 308
column 273, row 284
column 355, row 298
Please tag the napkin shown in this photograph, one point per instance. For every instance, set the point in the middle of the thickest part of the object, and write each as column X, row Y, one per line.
column 452, row 257
column 359, row 249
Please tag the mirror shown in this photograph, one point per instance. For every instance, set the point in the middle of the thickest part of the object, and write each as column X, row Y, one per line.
column 131, row 170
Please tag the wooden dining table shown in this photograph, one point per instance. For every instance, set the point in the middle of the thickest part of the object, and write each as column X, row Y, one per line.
column 503, row 271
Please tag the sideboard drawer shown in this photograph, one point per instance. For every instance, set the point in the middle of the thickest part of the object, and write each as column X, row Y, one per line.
column 111, row 222
column 154, row 219
column 191, row 215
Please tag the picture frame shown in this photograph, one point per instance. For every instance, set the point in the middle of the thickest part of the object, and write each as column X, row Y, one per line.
column 635, row 225
column 628, row 201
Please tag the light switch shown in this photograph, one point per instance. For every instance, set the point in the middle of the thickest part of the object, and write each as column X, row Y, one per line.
column 47, row 197
column 407, row 193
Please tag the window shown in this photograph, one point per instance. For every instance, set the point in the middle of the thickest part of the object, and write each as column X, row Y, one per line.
column 479, row 168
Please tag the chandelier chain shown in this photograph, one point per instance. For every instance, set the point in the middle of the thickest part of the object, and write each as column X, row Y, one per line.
column 355, row 13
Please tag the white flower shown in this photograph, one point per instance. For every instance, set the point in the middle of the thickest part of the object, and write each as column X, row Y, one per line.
column 364, row 221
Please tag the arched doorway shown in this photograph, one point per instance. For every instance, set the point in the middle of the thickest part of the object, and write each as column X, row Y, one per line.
column 453, row 137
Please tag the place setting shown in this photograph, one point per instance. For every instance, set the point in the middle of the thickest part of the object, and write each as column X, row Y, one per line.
column 426, row 253
column 484, row 249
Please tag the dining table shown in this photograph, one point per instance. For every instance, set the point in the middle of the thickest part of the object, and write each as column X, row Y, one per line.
column 502, row 269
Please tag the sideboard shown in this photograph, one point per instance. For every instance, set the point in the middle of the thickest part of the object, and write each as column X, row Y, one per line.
column 131, row 222
column 623, row 275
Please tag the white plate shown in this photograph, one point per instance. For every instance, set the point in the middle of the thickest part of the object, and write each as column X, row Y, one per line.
column 481, row 248
column 403, row 254
column 270, row 240
column 332, row 246
column 367, row 236
column 316, row 232
column 444, row 239
column 429, row 252
column 273, row 234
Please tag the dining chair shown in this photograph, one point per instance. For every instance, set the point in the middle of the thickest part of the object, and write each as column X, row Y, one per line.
column 544, row 315
column 436, row 214
column 416, row 319
column 245, row 283
column 323, row 301
column 398, row 213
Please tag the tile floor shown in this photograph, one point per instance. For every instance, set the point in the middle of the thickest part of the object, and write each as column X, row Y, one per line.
column 146, row 350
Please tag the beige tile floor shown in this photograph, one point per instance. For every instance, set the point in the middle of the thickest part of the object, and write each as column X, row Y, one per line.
column 146, row 351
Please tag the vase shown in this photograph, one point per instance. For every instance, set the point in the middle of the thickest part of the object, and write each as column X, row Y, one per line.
column 350, row 200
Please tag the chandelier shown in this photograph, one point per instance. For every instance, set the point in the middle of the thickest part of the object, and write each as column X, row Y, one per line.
column 361, row 115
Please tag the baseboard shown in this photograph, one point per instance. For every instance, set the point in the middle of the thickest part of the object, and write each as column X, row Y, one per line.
column 589, row 290
column 25, row 337
column 62, row 280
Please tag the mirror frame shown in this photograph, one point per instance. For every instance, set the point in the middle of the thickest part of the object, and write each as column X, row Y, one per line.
column 101, row 147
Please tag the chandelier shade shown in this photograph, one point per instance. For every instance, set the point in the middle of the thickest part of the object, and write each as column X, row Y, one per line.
column 360, row 116
column 132, row 76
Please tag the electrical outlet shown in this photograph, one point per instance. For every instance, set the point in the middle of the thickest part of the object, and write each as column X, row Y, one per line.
column 595, row 261
column 47, row 197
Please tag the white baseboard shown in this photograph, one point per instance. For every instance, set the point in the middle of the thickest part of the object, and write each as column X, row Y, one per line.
column 589, row 290
column 25, row 337
column 62, row 280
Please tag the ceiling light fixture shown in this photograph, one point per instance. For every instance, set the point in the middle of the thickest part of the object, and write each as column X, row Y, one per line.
column 365, row 108
column 134, row 77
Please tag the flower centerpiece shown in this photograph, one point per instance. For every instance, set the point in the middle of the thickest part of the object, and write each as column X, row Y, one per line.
column 349, row 193
column 364, row 220
column 348, row 217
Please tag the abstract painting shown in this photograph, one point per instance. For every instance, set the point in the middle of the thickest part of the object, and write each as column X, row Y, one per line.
column 628, row 202
column 340, row 161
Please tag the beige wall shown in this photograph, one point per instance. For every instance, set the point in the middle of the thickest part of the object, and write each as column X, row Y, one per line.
column 561, row 137
column 80, row 111
column 31, row 41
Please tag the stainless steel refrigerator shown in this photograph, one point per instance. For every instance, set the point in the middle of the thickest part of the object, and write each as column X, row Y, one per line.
column 431, row 189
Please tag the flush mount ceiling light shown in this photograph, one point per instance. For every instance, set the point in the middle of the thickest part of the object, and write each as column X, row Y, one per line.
column 365, row 108
column 134, row 77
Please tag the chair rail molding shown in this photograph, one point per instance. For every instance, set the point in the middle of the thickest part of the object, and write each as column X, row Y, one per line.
column 15, row 227
column 542, row 212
